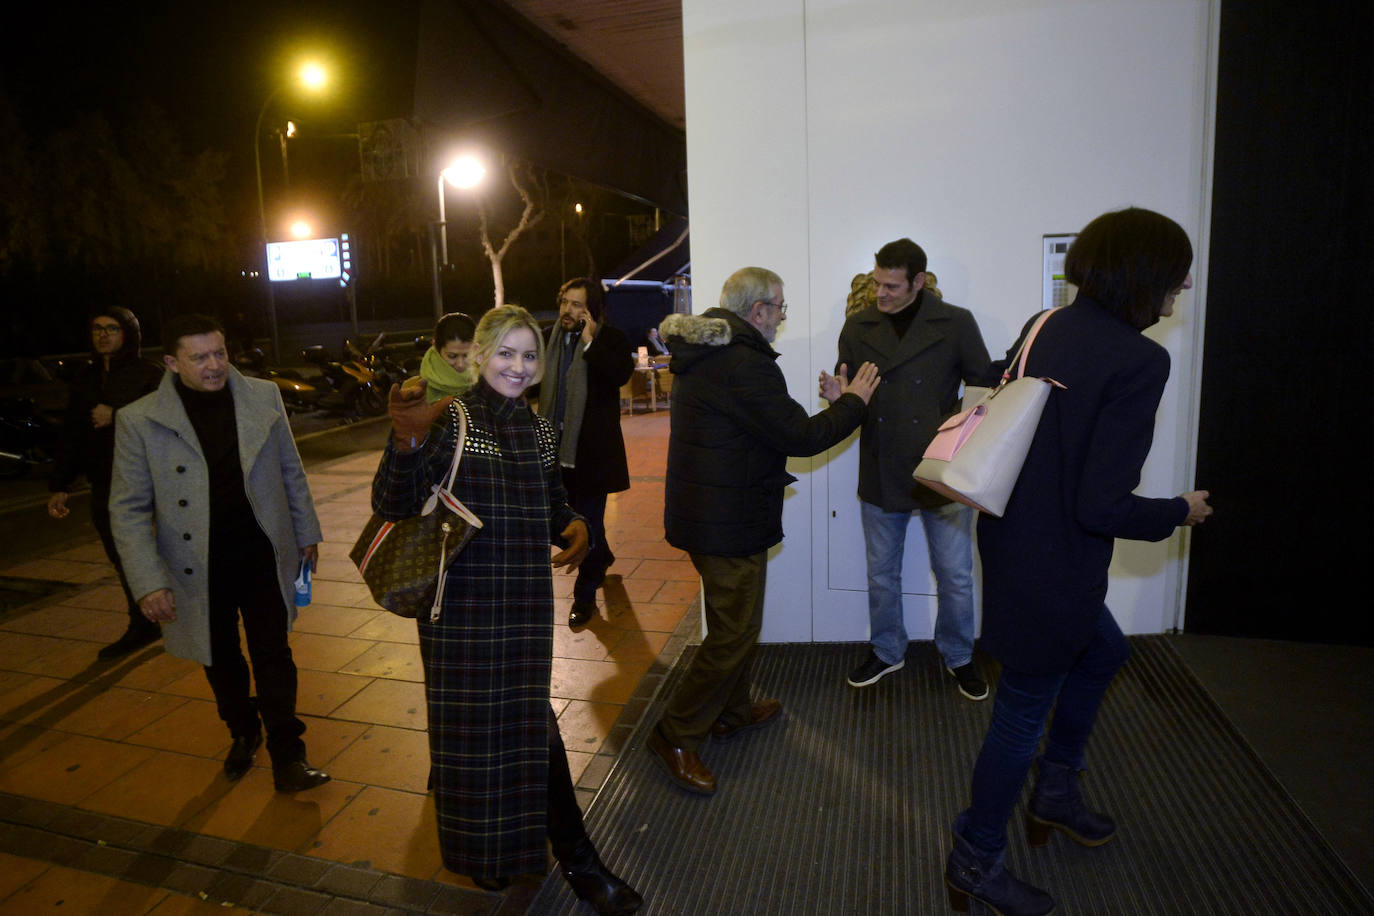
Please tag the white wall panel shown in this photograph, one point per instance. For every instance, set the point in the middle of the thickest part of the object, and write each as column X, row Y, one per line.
column 819, row 130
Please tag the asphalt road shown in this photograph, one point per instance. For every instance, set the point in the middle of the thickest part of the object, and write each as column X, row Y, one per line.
column 26, row 529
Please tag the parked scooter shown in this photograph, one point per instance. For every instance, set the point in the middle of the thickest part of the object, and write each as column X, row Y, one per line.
column 297, row 394
column 354, row 382
column 378, row 360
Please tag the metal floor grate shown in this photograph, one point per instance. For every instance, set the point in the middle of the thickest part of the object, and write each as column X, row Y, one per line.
column 844, row 807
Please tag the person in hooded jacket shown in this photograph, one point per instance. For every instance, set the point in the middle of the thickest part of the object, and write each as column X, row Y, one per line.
column 117, row 375
column 733, row 428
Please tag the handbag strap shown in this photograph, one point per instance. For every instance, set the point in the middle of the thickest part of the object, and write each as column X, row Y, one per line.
column 1023, row 351
column 460, row 419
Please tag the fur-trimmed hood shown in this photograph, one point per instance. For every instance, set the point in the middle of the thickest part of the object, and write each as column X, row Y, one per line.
column 696, row 329
column 692, row 338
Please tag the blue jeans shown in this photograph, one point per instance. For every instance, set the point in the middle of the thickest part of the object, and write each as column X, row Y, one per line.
column 949, row 535
column 1019, row 711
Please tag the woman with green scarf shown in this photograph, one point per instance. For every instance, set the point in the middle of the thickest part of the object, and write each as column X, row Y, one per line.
column 446, row 366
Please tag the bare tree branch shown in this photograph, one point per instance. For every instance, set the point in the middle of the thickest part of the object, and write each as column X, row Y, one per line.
column 522, row 175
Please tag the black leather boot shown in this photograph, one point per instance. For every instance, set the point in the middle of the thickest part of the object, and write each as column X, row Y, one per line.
column 971, row 872
column 593, row 882
column 1057, row 804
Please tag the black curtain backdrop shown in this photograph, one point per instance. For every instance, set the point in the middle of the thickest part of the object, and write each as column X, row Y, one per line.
column 1288, row 342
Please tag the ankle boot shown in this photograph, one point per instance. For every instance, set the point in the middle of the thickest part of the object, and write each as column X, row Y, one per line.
column 973, row 873
column 593, row 882
column 1057, row 804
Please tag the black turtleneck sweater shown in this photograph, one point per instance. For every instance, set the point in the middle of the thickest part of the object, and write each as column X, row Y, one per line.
column 231, row 515
column 901, row 321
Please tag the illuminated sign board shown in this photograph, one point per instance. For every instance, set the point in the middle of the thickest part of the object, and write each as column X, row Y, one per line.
column 346, row 253
column 311, row 259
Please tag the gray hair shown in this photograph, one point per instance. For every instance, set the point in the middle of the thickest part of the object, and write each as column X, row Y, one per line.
column 494, row 327
column 746, row 286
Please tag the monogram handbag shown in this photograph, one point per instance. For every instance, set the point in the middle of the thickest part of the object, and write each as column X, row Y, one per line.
column 976, row 456
column 404, row 563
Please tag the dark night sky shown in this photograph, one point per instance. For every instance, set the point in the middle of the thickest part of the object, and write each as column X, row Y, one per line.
column 210, row 66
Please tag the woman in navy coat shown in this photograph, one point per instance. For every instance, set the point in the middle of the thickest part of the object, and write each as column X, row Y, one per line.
column 1045, row 560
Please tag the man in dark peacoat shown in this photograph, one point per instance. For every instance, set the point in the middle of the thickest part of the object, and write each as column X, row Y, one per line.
column 587, row 362
column 733, row 428
column 924, row 347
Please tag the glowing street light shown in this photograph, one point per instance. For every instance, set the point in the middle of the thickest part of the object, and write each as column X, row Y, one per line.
column 312, row 77
column 465, row 172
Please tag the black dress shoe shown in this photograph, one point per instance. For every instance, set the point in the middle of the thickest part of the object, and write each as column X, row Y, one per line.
column 593, row 882
column 582, row 612
column 495, row 885
column 297, row 776
column 132, row 640
column 240, row 759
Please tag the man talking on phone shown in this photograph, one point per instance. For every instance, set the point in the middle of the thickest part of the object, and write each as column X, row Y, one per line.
column 587, row 361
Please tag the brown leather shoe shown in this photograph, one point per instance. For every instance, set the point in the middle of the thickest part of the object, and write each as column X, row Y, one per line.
column 761, row 713
column 682, row 766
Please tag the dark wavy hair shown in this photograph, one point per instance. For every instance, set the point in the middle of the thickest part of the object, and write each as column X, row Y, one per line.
column 903, row 253
column 596, row 297
column 1130, row 261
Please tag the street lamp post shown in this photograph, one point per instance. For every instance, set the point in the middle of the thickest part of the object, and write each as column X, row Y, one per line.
column 440, row 252
column 262, row 225
column 313, row 77
column 464, row 172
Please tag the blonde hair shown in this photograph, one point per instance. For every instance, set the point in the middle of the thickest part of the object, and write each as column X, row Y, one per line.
column 498, row 323
column 931, row 280
column 863, row 292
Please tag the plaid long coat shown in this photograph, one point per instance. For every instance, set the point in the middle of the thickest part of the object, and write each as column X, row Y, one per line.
column 488, row 658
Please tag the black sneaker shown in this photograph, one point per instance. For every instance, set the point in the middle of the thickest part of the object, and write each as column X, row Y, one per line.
column 872, row 670
column 971, row 683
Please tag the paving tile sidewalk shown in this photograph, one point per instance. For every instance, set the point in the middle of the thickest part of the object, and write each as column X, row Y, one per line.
column 112, row 798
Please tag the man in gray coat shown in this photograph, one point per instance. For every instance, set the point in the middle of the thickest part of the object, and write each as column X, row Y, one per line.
column 924, row 347
column 213, row 519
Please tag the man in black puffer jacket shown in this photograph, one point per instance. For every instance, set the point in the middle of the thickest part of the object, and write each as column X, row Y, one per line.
column 733, row 428
column 117, row 375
